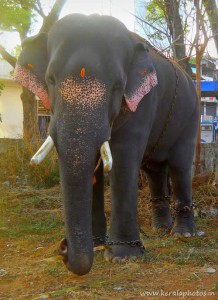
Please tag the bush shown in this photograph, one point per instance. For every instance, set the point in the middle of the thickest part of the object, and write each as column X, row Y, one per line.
column 15, row 165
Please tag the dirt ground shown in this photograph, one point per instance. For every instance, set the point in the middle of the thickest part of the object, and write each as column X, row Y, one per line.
column 31, row 227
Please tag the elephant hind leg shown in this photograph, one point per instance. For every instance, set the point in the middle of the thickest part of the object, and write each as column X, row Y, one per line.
column 158, row 179
column 184, row 219
column 180, row 163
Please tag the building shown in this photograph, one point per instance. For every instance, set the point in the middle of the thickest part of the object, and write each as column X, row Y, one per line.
column 11, row 109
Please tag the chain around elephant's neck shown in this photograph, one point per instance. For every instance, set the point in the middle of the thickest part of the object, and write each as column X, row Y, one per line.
column 167, row 122
column 170, row 113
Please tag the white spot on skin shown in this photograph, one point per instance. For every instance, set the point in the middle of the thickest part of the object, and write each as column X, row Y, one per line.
column 86, row 91
column 82, row 118
column 146, row 85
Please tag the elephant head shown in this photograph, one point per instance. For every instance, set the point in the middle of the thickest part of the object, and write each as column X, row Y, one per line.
column 83, row 69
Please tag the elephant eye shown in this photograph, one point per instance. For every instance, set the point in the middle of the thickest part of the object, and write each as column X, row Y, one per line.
column 146, row 48
column 117, row 85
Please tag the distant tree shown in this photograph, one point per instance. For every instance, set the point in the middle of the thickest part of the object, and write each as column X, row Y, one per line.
column 187, row 26
column 19, row 16
column 170, row 26
column 212, row 12
column 201, row 41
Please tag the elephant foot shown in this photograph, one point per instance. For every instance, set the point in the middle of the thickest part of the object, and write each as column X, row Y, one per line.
column 184, row 223
column 161, row 215
column 122, row 253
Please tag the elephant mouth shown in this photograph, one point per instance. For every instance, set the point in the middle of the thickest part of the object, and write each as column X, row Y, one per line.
column 63, row 250
column 48, row 144
column 80, row 266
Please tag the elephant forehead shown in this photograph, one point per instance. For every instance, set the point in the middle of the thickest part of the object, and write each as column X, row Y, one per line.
column 86, row 91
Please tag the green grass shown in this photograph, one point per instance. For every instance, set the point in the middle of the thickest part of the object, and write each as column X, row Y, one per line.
column 28, row 213
column 33, row 218
column 15, row 163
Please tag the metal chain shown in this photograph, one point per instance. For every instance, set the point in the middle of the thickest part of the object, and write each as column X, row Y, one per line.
column 100, row 239
column 134, row 243
column 160, row 198
column 171, row 110
column 186, row 208
column 138, row 243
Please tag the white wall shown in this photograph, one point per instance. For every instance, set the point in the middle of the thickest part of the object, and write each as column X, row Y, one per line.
column 11, row 110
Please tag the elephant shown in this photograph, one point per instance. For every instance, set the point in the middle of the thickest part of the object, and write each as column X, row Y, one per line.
column 104, row 83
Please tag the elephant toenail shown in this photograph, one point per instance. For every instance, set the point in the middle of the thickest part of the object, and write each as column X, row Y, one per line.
column 116, row 259
column 187, row 234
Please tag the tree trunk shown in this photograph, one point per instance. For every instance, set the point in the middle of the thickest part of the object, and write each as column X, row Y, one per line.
column 177, row 33
column 30, row 116
column 200, row 48
column 212, row 12
column 198, row 90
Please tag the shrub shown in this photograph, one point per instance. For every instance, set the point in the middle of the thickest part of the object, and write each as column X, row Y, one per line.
column 15, row 165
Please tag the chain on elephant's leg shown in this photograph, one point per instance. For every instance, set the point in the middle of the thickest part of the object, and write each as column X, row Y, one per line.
column 158, row 179
column 124, row 241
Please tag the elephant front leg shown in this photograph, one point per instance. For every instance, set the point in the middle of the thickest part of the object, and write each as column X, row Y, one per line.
column 158, row 179
column 99, row 226
column 124, row 238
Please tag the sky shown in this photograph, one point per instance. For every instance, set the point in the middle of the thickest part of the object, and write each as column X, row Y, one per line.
column 118, row 8
column 121, row 9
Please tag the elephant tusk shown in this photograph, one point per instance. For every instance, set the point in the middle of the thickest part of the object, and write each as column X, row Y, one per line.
column 42, row 152
column 106, row 156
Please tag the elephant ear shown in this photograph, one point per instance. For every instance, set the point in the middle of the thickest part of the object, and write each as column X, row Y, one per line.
column 31, row 67
column 141, row 77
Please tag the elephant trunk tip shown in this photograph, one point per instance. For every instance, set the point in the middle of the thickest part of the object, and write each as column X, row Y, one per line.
column 80, row 267
column 81, row 263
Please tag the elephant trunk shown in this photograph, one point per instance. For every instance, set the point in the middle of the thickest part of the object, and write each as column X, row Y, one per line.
column 77, row 249
column 77, row 159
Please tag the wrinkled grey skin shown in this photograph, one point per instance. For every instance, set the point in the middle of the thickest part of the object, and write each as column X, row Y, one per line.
column 117, row 59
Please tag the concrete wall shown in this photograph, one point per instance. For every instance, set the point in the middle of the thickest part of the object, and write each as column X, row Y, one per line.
column 209, row 157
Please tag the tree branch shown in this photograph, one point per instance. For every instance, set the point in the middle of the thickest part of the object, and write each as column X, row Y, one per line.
column 7, row 56
column 39, row 10
column 154, row 27
column 52, row 16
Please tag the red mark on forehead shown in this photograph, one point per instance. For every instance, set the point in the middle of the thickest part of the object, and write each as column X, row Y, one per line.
column 83, row 72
